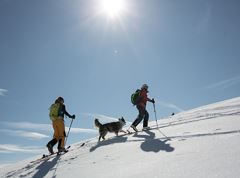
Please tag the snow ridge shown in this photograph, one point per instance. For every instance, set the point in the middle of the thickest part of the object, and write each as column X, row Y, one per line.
column 204, row 142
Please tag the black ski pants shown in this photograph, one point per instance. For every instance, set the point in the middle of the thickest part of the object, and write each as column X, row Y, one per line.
column 143, row 115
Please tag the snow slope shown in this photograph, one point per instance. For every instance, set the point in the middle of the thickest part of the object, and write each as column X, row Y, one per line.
column 204, row 142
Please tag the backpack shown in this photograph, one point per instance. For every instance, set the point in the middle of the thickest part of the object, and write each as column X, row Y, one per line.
column 135, row 97
column 54, row 111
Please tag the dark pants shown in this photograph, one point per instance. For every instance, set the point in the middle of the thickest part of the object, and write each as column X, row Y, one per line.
column 143, row 115
column 54, row 141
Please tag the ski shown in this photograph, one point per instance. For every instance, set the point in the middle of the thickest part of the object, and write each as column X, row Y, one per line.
column 132, row 132
column 146, row 130
column 136, row 131
column 48, row 156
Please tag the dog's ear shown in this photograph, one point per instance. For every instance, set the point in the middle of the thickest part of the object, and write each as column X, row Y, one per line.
column 123, row 119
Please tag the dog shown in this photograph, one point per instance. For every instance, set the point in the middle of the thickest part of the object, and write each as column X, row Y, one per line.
column 110, row 127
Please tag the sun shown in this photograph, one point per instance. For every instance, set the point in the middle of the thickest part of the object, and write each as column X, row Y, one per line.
column 112, row 8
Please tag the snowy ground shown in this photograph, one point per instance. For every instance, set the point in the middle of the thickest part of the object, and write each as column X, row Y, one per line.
column 204, row 142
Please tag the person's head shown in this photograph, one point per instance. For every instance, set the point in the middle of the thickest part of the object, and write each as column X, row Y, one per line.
column 144, row 87
column 59, row 100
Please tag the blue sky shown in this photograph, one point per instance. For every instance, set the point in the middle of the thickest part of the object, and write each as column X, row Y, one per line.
column 186, row 51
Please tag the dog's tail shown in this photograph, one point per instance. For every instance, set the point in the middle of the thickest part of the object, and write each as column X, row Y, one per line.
column 97, row 123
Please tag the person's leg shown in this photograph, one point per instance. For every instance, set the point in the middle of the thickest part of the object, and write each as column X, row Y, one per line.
column 140, row 116
column 60, row 142
column 61, row 127
column 146, row 117
column 56, row 130
column 52, row 142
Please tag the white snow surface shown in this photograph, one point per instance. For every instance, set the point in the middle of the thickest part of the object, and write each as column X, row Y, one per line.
column 203, row 142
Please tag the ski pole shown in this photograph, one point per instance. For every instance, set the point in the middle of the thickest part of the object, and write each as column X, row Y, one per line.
column 157, row 122
column 68, row 132
column 155, row 114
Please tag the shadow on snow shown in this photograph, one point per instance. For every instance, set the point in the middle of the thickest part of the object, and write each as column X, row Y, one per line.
column 118, row 139
column 45, row 167
column 150, row 143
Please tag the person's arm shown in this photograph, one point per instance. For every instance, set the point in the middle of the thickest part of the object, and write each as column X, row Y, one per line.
column 66, row 113
column 151, row 100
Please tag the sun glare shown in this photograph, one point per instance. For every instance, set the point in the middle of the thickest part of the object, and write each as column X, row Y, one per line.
column 112, row 8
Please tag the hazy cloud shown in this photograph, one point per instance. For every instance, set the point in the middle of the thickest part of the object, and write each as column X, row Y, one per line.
column 103, row 118
column 224, row 83
column 25, row 134
column 81, row 130
column 2, row 92
column 170, row 105
column 27, row 125
column 10, row 148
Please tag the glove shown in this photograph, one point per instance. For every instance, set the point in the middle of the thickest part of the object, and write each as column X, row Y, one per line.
column 153, row 101
column 73, row 116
